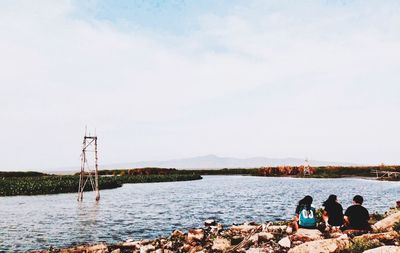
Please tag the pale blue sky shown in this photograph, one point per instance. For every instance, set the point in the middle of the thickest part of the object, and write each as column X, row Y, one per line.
column 173, row 79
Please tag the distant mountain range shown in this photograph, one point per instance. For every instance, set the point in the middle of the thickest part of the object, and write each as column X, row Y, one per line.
column 216, row 162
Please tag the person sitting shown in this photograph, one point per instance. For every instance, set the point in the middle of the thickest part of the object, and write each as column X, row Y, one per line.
column 356, row 216
column 333, row 213
column 305, row 214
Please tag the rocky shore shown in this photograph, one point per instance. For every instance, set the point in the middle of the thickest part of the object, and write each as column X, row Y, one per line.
column 253, row 238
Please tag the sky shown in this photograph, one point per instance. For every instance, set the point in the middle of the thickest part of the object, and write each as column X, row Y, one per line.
column 171, row 79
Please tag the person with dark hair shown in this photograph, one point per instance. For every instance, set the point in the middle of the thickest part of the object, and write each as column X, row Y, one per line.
column 333, row 212
column 305, row 214
column 356, row 216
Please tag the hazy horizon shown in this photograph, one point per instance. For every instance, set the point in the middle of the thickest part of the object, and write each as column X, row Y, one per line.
column 209, row 161
column 161, row 80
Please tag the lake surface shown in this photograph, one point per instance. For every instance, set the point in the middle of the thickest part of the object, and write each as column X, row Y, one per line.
column 150, row 210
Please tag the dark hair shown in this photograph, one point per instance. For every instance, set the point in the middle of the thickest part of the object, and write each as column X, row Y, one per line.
column 330, row 201
column 358, row 199
column 306, row 201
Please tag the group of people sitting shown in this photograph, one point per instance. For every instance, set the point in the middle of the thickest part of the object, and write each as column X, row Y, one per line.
column 355, row 217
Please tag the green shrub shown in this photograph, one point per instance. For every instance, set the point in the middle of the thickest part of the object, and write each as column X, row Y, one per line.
column 396, row 226
column 360, row 245
column 318, row 214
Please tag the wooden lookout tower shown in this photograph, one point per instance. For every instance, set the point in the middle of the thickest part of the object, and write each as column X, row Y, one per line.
column 307, row 168
column 89, row 166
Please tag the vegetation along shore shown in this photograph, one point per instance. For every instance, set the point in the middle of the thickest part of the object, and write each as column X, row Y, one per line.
column 35, row 183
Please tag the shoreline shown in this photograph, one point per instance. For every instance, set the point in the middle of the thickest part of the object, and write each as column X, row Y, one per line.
column 254, row 237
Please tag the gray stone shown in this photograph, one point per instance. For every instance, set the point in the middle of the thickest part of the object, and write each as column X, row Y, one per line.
column 221, row 244
column 306, row 235
column 384, row 249
column 195, row 235
column 322, row 246
column 147, row 248
column 285, row 242
column 265, row 236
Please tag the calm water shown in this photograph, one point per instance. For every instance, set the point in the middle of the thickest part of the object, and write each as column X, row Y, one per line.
column 151, row 210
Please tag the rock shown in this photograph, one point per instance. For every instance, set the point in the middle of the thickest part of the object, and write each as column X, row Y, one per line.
column 256, row 250
column 178, row 234
column 253, row 239
column 336, row 235
column 221, row 244
column 116, row 251
column 196, row 249
column 236, row 239
column 244, row 228
column 285, row 242
column 265, row 236
column 276, row 229
column 387, row 223
column 186, row 247
column 210, row 222
column 289, row 230
column 147, row 248
column 159, row 251
column 195, row 235
column 382, row 237
column 215, row 229
column 384, row 249
column 99, row 248
column 131, row 244
column 322, row 246
column 306, row 235
column 169, row 245
column 144, row 242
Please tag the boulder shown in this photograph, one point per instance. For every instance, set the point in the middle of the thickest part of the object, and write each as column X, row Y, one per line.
column 178, row 234
column 306, row 235
column 236, row 239
column 322, row 246
column 221, row 244
column 256, row 250
column 186, row 247
column 130, row 244
column 384, row 249
column 215, row 229
column 116, row 251
column 387, row 223
column 195, row 235
column 336, row 234
column 210, row 222
column 147, row 248
column 99, row 248
column 244, row 228
column 196, row 249
column 254, row 239
column 265, row 236
column 382, row 237
column 276, row 229
column 285, row 242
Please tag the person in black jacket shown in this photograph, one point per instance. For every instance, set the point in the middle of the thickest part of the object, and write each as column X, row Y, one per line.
column 333, row 213
column 356, row 216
